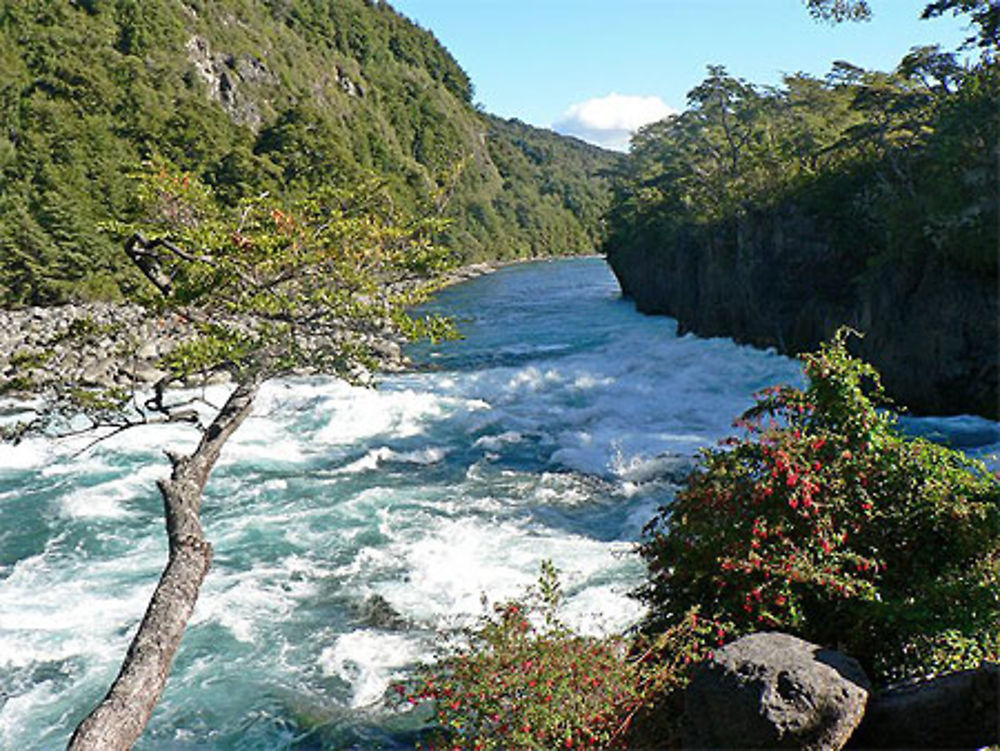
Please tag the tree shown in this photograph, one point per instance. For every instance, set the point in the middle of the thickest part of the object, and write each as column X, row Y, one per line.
column 985, row 14
column 726, row 110
column 90, row 88
column 270, row 289
column 836, row 11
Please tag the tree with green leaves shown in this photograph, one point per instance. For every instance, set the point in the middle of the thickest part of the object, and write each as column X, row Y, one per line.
column 723, row 213
column 271, row 290
column 985, row 14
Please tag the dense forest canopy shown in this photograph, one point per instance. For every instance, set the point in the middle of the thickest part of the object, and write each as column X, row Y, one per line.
column 256, row 96
column 897, row 164
column 906, row 160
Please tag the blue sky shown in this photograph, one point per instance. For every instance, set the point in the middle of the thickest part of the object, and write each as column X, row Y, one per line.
column 557, row 63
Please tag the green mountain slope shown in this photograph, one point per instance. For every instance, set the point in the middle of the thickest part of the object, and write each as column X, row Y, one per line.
column 253, row 95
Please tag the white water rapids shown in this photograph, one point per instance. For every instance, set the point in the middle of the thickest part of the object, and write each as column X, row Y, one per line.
column 549, row 432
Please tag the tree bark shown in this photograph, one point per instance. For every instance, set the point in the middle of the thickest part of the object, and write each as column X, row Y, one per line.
column 957, row 711
column 118, row 721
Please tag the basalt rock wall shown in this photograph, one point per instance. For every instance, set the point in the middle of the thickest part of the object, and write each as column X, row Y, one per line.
column 777, row 279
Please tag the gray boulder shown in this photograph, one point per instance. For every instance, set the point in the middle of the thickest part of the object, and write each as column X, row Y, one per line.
column 772, row 690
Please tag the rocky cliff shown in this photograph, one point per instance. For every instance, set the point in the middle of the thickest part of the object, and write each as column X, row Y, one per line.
column 777, row 279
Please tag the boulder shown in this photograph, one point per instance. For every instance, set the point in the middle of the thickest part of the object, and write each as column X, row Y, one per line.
column 772, row 690
column 143, row 372
column 376, row 612
column 953, row 710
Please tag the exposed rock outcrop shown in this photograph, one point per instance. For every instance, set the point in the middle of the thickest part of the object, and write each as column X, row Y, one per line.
column 773, row 690
column 955, row 710
column 225, row 76
column 776, row 279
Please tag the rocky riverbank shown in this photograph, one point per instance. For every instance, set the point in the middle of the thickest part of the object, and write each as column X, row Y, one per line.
column 107, row 345
column 104, row 345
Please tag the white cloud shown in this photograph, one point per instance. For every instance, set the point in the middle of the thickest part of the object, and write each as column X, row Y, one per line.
column 608, row 121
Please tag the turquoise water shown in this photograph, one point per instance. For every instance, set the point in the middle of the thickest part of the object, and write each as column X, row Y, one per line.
column 548, row 432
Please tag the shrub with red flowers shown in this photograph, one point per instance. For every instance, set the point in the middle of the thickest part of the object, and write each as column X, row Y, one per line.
column 525, row 681
column 823, row 520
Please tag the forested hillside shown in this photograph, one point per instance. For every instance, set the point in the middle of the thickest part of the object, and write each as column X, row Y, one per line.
column 775, row 215
column 257, row 95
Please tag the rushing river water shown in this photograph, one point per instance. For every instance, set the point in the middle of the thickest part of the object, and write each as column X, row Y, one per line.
column 550, row 431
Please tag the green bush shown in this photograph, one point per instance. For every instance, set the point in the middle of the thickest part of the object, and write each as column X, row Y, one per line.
column 526, row 681
column 824, row 521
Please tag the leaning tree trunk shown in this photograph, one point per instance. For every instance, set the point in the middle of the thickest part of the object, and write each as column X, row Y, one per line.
column 118, row 721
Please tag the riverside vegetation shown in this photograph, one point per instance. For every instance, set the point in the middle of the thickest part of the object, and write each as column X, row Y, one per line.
column 839, row 528
column 270, row 288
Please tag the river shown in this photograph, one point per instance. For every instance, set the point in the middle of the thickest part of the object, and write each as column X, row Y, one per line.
column 552, row 430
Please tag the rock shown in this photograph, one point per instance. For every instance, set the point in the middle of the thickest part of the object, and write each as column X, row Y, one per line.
column 388, row 352
column 98, row 372
column 224, row 77
column 954, row 710
column 772, row 690
column 350, row 87
column 104, row 345
column 197, row 380
column 376, row 612
column 145, row 373
column 149, row 350
column 932, row 327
